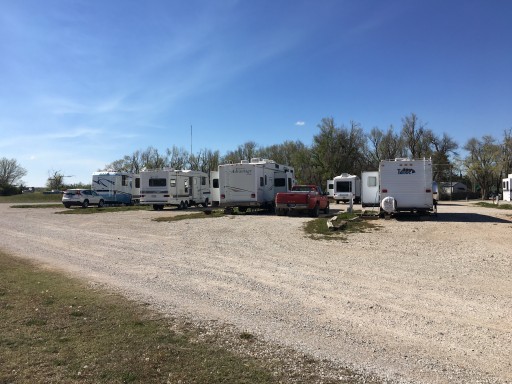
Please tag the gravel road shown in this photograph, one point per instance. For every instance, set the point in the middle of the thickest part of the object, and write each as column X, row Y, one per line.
column 412, row 302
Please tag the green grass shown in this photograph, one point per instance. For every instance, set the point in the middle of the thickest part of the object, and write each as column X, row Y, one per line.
column 36, row 197
column 77, row 210
column 186, row 216
column 317, row 229
column 56, row 329
column 497, row 206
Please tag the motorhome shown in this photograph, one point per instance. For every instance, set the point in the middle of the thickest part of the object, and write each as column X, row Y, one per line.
column 347, row 187
column 169, row 187
column 370, row 189
column 117, row 187
column 253, row 184
column 406, row 185
column 214, row 188
column 330, row 189
column 507, row 187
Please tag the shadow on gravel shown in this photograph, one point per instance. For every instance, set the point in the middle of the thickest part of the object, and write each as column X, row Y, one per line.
column 453, row 218
column 469, row 218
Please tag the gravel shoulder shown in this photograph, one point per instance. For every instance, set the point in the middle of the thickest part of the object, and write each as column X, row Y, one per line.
column 412, row 302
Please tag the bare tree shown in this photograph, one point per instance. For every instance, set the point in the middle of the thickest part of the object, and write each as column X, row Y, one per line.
column 10, row 172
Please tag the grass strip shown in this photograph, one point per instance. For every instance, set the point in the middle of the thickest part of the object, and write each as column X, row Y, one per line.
column 56, row 329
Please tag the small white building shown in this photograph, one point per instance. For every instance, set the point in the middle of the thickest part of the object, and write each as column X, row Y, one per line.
column 507, row 186
column 452, row 188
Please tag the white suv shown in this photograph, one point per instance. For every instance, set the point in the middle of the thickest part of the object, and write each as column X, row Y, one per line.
column 83, row 197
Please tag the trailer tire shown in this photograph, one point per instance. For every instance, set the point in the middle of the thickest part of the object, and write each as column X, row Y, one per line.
column 158, row 207
column 205, row 204
column 182, row 205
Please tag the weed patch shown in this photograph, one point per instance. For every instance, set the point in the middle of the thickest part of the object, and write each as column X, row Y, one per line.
column 318, row 229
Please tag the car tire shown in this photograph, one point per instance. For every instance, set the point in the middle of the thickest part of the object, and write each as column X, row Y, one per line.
column 85, row 204
column 101, row 204
column 326, row 210
column 314, row 211
column 67, row 205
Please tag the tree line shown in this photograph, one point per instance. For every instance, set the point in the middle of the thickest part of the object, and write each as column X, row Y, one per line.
column 337, row 149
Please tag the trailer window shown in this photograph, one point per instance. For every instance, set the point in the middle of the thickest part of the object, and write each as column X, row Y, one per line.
column 261, row 182
column 203, row 180
column 290, row 183
column 372, row 181
column 137, row 182
column 215, row 183
column 173, row 182
column 124, row 180
column 343, row 186
column 280, row 182
column 157, row 182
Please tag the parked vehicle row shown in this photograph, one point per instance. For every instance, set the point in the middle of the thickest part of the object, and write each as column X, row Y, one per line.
column 399, row 185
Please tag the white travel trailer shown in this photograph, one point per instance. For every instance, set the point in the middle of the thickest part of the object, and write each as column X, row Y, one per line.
column 253, row 184
column 117, row 187
column 406, row 185
column 347, row 187
column 214, row 188
column 180, row 188
column 507, row 187
column 330, row 189
column 370, row 189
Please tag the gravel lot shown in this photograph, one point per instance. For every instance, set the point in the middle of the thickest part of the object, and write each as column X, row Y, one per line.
column 413, row 302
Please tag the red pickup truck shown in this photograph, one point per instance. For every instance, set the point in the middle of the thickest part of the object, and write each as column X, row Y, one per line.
column 308, row 198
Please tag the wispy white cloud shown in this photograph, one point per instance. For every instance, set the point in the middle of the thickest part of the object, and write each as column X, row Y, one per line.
column 300, row 123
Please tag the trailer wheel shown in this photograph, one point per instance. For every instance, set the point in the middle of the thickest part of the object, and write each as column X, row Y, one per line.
column 158, row 207
column 182, row 205
column 205, row 204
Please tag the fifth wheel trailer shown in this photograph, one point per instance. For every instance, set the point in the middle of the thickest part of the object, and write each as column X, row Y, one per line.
column 117, row 187
column 253, row 184
column 180, row 188
column 406, row 185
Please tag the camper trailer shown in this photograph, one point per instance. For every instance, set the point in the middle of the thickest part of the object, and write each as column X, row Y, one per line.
column 347, row 187
column 117, row 187
column 370, row 189
column 330, row 189
column 214, row 188
column 406, row 185
column 253, row 184
column 507, row 187
column 169, row 187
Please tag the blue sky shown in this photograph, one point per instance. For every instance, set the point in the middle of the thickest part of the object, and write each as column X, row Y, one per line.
column 83, row 83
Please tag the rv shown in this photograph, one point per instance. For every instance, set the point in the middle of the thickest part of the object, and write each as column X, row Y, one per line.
column 370, row 189
column 117, row 187
column 253, row 184
column 347, row 187
column 214, row 188
column 507, row 187
column 406, row 185
column 169, row 187
column 330, row 189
